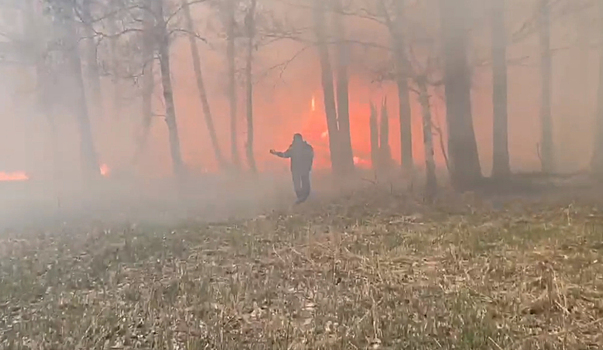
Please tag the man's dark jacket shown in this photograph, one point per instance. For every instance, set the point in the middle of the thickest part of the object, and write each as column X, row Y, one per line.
column 302, row 157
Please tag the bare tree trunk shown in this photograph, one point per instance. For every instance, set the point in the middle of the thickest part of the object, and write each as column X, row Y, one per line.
column 92, row 61
column 209, row 121
column 597, row 157
column 385, row 152
column 405, row 125
column 431, row 180
column 168, row 92
column 148, row 81
column 232, row 88
column 402, row 66
column 343, row 54
column 462, row 146
column 89, row 160
column 374, row 129
column 46, row 107
column 546, row 66
column 250, row 23
column 44, row 86
column 115, row 65
column 327, row 86
column 500, row 157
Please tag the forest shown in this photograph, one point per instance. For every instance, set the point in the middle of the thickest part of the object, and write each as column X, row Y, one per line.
column 455, row 191
column 480, row 88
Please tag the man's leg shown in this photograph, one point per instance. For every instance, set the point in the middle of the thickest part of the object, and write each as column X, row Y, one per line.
column 297, row 184
column 305, row 187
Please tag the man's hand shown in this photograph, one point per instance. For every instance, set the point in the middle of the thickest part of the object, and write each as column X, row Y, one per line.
column 272, row 151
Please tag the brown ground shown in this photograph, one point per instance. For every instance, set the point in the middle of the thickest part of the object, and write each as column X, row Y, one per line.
column 372, row 269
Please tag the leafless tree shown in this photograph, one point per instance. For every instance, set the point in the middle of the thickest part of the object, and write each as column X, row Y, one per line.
column 462, row 145
column 546, row 67
column 230, row 8
column 148, row 79
column 250, row 31
column 500, row 157
column 374, row 130
column 327, row 86
column 163, row 48
column 385, row 152
column 431, row 183
column 201, row 84
column 91, row 55
column 342, row 53
column 597, row 157
column 64, row 18
column 393, row 14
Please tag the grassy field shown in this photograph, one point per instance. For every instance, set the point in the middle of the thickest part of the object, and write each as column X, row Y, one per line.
column 369, row 270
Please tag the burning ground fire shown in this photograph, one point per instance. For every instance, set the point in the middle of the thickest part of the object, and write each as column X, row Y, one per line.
column 320, row 140
column 13, row 177
column 20, row 176
column 105, row 170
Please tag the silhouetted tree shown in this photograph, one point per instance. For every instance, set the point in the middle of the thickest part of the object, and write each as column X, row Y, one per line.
column 500, row 156
column 91, row 55
column 431, row 183
column 597, row 157
column 148, row 79
column 385, row 152
column 462, row 146
column 250, row 28
column 547, row 147
column 163, row 47
column 374, row 129
column 327, row 85
column 395, row 26
column 343, row 56
column 63, row 16
column 209, row 122
column 232, row 87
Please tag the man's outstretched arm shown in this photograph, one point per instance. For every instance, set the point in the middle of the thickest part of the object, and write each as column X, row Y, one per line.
column 286, row 154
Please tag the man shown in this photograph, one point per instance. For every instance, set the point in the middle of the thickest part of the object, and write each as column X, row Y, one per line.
column 302, row 157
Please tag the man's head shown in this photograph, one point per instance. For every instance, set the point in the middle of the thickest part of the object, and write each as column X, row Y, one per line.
column 297, row 138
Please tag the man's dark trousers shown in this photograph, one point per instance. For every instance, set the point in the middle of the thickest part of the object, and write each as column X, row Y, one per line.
column 301, row 183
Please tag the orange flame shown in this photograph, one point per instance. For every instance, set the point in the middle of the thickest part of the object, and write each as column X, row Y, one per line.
column 105, row 170
column 313, row 104
column 16, row 176
column 362, row 163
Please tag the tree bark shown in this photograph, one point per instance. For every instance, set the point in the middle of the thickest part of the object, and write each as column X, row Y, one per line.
column 89, row 160
column 374, row 129
column 327, row 86
column 44, row 87
column 168, row 92
column 546, row 66
column 46, row 107
column 597, row 157
column 431, row 180
column 500, row 158
column 402, row 67
column 93, row 71
column 385, row 152
column 232, row 88
column 112, row 27
column 343, row 53
column 209, row 121
column 462, row 146
column 148, row 81
column 250, row 24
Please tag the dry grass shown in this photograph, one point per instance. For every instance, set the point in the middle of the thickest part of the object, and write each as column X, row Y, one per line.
column 383, row 272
